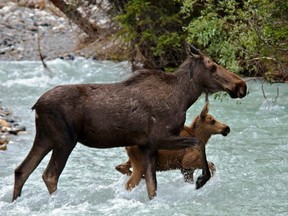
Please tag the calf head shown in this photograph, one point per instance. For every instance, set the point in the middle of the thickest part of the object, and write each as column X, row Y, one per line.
column 206, row 125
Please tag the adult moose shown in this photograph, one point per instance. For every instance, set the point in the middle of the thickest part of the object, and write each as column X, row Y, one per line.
column 148, row 109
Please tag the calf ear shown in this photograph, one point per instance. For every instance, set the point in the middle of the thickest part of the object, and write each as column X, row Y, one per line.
column 204, row 111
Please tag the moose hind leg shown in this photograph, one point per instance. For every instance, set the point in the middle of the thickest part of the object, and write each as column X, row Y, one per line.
column 23, row 171
column 149, row 165
column 55, row 167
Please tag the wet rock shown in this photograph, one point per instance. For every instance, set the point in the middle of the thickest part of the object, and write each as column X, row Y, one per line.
column 16, row 129
column 8, row 127
column 3, row 147
column 4, row 123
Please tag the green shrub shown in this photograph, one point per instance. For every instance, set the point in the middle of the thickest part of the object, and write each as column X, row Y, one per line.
column 247, row 37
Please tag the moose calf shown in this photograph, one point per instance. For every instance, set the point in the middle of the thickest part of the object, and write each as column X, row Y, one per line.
column 187, row 160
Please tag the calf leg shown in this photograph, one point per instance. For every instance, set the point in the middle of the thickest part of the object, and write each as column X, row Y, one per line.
column 135, row 176
column 35, row 156
column 188, row 175
column 55, row 167
column 124, row 168
column 134, row 154
column 191, row 161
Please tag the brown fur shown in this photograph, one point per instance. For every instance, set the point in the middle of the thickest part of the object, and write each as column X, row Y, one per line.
column 187, row 160
column 148, row 110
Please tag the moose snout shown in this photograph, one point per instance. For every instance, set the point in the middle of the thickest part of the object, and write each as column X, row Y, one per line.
column 241, row 88
column 238, row 90
column 225, row 131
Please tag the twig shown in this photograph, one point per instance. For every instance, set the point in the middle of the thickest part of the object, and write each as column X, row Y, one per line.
column 41, row 56
column 275, row 99
column 276, row 95
column 262, row 87
column 253, row 78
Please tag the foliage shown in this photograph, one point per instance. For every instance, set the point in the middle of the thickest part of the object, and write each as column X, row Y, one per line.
column 155, row 30
column 248, row 37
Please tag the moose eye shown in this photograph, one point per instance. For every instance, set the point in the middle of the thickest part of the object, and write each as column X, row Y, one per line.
column 213, row 121
column 213, row 68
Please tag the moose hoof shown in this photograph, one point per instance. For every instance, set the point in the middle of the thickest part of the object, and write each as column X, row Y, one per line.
column 151, row 196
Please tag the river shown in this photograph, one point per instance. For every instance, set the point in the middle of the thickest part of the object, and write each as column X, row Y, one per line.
column 251, row 162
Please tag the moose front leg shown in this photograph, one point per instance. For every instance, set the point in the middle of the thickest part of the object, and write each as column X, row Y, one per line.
column 206, row 175
column 149, row 166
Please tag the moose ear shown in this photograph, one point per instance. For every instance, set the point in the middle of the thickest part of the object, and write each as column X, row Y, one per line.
column 193, row 51
column 204, row 111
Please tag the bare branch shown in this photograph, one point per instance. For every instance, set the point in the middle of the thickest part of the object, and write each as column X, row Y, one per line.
column 265, row 57
column 252, row 78
column 276, row 95
column 262, row 87
column 41, row 56
column 275, row 99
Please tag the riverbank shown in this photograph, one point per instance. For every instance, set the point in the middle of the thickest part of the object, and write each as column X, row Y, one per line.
column 22, row 26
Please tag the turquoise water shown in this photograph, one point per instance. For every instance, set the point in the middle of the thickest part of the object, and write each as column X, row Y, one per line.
column 251, row 162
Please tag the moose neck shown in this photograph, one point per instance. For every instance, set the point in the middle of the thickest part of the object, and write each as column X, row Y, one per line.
column 189, row 83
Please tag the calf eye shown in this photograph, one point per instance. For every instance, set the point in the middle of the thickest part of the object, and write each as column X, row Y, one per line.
column 213, row 121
